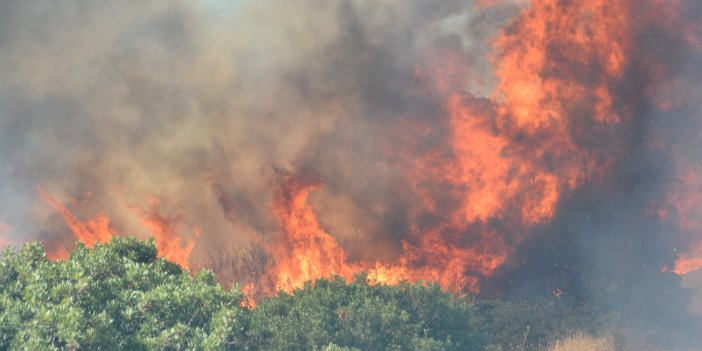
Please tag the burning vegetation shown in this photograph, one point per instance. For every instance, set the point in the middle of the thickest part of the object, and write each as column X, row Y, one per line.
column 499, row 148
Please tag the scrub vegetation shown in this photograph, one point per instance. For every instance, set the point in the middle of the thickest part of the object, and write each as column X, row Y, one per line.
column 122, row 296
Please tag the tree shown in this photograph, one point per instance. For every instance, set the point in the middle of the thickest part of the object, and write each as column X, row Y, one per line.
column 121, row 296
column 114, row 296
column 333, row 315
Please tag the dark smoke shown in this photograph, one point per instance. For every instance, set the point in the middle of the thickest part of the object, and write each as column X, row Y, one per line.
column 108, row 104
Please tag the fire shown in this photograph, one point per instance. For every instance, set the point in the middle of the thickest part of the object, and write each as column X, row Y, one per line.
column 513, row 156
column 685, row 201
column 88, row 232
column 558, row 293
column 164, row 229
column 687, row 263
column 249, row 292
column 302, row 249
column 510, row 159
column 483, row 174
column 537, row 84
column 98, row 230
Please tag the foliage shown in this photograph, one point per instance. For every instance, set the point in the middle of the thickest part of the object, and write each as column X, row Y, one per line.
column 334, row 315
column 529, row 324
column 117, row 296
column 120, row 296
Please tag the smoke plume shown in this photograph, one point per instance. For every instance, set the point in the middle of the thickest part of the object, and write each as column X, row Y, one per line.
column 506, row 148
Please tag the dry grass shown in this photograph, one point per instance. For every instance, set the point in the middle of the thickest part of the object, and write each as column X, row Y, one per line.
column 583, row 343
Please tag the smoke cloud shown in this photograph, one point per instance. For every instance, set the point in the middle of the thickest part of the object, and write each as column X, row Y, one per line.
column 525, row 147
column 110, row 106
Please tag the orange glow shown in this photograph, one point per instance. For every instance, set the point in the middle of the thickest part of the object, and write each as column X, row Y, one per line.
column 98, row 229
column 88, row 232
column 4, row 230
column 249, row 300
column 558, row 293
column 484, row 173
column 164, row 229
column 303, row 250
column 685, row 201
column 57, row 252
column 513, row 157
column 688, row 263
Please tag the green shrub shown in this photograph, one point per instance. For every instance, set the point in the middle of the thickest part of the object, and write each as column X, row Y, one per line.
column 119, row 296
column 115, row 296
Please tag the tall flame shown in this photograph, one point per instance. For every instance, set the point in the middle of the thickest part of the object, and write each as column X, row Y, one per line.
column 164, row 229
column 302, row 249
column 513, row 156
column 88, row 232
column 98, row 230
column 484, row 172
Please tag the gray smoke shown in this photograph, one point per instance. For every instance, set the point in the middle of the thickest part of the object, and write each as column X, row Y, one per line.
column 108, row 105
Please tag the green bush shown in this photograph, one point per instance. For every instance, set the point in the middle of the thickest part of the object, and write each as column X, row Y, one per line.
column 120, row 296
column 331, row 314
column 531, row 324
column 116, row 296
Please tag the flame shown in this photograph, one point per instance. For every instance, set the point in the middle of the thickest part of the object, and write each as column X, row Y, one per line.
column 57, row 252
column 163, row 228
column 688, row 263
column 88, row 232
column 512, row 157
column 501, row 167
column 302, row 249
column 249, row 292
column 558, row 293
column 685, row 201
column 98, row 230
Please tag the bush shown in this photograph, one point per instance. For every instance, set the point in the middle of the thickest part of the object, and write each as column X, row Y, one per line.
column 120, row 296
column 331, row 314
column 530, row 324
column 116, row 296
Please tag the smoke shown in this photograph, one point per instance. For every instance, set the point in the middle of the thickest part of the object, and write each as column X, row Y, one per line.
column 510, row 147
column 109, row 106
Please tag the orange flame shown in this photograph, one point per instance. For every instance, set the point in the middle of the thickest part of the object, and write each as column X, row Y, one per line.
column 164, row 229
column 558, row 293
column 508, row 159
column 88, row 232
column 303, row 250
column 98, row 229
column 511, row 157
column 249, row 300
column 685, row 201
